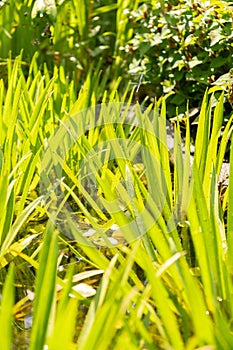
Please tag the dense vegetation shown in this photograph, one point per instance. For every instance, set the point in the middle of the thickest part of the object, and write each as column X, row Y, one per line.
column 110, row 239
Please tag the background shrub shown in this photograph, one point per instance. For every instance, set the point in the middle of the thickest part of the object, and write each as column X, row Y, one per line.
column 179, row 47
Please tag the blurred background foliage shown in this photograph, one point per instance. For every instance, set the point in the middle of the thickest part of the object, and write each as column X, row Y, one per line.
column 170, row 48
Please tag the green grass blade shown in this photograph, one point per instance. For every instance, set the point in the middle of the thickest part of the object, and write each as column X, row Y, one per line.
column 202, row 135
column 6, row 311
column 14, row 229
column 44, row 289
column 65, row 319
column 230, row 214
